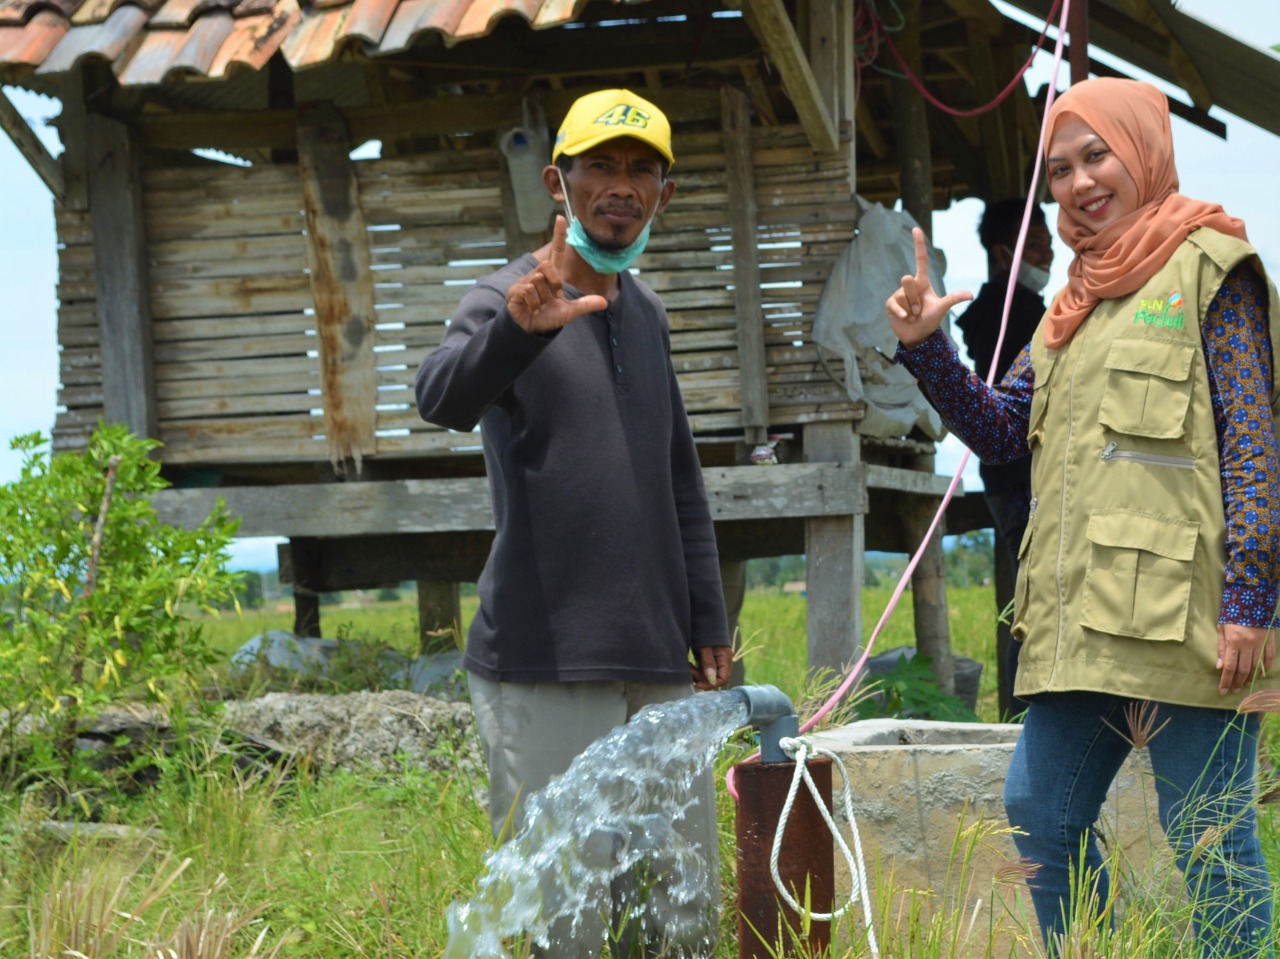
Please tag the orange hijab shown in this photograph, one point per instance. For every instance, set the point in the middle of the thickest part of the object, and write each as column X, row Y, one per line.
column 1133, row 118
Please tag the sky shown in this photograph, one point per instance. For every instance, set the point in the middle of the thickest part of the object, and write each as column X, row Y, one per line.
column 1238, row 173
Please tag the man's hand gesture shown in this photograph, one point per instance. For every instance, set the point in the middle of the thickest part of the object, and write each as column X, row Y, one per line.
column 537, row 302
column 915, row 311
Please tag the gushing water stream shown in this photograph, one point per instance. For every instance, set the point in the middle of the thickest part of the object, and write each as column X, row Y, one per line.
column 614, row 807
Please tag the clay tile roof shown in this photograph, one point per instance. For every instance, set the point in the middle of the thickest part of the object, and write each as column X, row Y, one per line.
column 31, row 45
column 149, row 41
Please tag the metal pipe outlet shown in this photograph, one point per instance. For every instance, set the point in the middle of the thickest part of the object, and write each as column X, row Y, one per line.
column 767, row 926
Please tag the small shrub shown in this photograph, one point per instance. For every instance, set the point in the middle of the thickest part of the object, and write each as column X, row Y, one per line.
column 94, row 592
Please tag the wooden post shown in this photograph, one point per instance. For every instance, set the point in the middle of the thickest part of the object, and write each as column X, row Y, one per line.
column 304, row 572
column 741, row 184
column 834, row 558
column 341, row 284
column 1001, row 172
column 1004, row 594
column 439, row 614
column 120, row 273
column 928, row 583
column 1078, row 28
column 88, row 79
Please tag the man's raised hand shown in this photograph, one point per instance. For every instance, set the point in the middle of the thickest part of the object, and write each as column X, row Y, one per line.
column 915, row 310
column 537, row 302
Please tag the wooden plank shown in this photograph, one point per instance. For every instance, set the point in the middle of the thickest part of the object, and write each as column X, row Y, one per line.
column 228, row 327
column 338, row 251
column 222, row 405
column 462, row 505
column 32, row 148
column 770, row 23
column 231, row 369
column 180, row 390
column 242, row 347
column 176, row 298
column 120, row 266
column 909, row 481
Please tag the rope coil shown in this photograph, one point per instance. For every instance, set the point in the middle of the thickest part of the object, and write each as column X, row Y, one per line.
column 800, row 749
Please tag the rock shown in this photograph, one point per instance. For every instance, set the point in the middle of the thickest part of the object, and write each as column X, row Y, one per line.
column 350, row 662
column 311, row 657
column 435, row 674
column 387, row 730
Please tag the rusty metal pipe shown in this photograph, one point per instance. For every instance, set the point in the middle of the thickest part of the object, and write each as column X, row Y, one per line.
column 806, row 859
column 806, row 862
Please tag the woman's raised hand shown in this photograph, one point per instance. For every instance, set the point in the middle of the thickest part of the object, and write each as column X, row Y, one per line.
column 915, row 310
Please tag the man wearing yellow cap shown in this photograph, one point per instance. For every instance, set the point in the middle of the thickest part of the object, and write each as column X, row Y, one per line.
column 602, row 591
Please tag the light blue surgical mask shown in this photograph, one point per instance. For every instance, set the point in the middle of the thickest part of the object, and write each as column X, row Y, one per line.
column 599, row 259
column 1034, row 278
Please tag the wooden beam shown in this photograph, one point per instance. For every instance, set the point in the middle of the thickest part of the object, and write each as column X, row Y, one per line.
column 234, row 130
column 980, row 11
column 121, row 276
column 1078, row 28
column 834, row 558
column 463, row 505
column 901, row 480
column 769, row 21
column 367, row 562
column 32, row 149
column 341, row 284
column 911, row 124
column 735, row 119
column 1156, row 14
column 1001, row 175
column 824, row 59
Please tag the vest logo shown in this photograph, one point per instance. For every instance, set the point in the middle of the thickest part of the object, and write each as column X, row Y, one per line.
column 1167, row 313
column 623, row 115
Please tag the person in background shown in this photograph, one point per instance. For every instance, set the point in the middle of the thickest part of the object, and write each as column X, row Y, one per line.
column 1006, row 487
column 1147, row 591
column 602, row 592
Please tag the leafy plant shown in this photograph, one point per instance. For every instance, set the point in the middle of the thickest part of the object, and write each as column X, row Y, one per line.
column 93, row 595
column 909, row 691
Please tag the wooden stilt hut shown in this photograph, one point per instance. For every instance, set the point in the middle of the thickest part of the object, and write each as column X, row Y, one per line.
column 267, row 210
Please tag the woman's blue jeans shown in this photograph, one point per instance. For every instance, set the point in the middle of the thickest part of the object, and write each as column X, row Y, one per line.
column 1204, row 760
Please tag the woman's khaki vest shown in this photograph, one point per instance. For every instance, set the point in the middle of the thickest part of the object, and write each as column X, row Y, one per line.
column 1122, row 566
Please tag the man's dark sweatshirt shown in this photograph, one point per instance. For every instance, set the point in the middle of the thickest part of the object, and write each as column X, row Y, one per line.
column 604, row 564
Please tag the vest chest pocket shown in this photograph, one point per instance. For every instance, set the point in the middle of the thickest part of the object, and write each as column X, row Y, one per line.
column 1138, row 581
column 1148, row 388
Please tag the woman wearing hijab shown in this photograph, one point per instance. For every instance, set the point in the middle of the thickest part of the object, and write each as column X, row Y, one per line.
column 1148, row 577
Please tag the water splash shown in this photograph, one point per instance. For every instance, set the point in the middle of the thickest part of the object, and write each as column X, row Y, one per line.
column 614, row 807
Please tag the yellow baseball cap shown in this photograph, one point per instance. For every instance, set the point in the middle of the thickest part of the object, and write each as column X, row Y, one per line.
column 607, row 114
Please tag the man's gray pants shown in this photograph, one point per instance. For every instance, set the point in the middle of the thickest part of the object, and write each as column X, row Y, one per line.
column 532, row 732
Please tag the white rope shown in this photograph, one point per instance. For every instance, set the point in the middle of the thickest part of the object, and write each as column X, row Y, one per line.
column 800, row 749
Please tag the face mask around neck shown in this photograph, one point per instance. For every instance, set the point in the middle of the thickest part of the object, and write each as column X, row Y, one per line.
column 599, row 259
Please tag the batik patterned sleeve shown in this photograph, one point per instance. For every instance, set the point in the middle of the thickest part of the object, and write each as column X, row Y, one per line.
column 1237, row 349
column 991, row 421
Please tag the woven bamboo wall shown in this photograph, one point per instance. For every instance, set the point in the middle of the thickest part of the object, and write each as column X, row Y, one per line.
column 236, row 355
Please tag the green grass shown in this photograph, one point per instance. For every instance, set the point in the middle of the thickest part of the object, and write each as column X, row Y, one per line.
column 345, row 865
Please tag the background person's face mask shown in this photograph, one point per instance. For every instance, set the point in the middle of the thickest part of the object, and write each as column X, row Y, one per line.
column 1034, row 278
column 598, row 258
